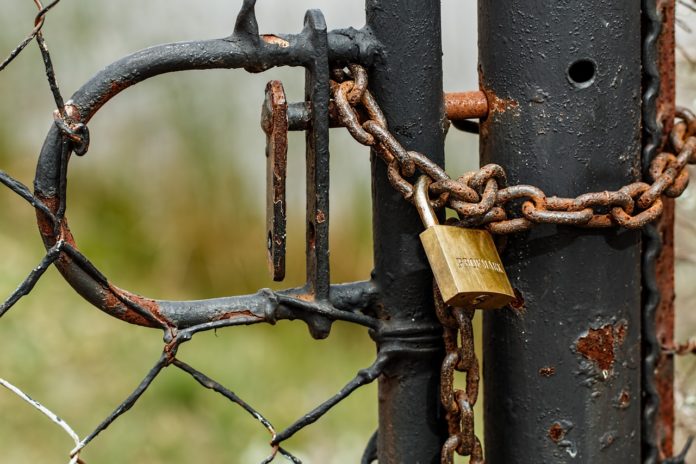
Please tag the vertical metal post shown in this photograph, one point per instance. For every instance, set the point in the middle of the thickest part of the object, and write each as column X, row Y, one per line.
column 563, row 373
column 407, row 81
column 658, row 243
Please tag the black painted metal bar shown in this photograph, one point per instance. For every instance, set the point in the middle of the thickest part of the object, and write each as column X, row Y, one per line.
column 406, row 79
column 312, row 49
column 317, row 166
column 563, row 373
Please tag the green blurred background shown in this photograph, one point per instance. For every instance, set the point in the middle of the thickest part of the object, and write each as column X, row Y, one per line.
column 169, row 203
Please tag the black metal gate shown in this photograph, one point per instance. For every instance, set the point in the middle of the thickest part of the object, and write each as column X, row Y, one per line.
column 573, row 98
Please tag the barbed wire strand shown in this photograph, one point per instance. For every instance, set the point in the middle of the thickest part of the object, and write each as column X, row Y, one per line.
column 211, row 384
column 126, row 404
column 28, row 284
column 38, row 24
column 75, row 459
column 24, row 192
column 363, row 377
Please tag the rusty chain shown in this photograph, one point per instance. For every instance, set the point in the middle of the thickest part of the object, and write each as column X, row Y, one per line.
column 480, row 198
column 458, row 333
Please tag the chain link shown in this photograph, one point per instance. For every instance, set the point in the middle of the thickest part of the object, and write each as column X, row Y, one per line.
column 480, row 199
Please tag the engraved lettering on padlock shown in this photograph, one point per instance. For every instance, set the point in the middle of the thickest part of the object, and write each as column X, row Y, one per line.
column 465, row 262
column 480, row 264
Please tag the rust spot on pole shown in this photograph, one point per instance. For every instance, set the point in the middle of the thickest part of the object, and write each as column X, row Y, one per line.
column 548, row 371
column 598, row 345
column 557, row 432
column 500, row 105
column 466, row 105
column 517, row 304
column 624, row 399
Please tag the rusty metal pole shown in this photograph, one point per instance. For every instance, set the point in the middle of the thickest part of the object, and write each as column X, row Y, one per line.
column 407, row 82
column 658, row 243
column 563, row 373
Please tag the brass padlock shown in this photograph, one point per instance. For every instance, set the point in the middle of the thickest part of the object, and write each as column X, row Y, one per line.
column 465, row 262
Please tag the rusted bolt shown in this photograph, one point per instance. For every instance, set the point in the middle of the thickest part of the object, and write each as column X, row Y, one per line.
column 466, row 105
column 459, row 106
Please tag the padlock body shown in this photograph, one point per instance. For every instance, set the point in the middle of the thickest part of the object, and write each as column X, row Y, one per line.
column 467, row 267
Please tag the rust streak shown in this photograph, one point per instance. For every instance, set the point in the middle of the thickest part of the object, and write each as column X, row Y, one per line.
column 149, row 305
column 46, row 226
column 116, row 308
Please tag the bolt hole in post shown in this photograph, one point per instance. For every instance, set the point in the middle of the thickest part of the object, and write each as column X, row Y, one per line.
column 581, row 73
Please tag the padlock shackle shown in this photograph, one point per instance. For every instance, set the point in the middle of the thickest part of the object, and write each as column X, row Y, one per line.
column 422, row 202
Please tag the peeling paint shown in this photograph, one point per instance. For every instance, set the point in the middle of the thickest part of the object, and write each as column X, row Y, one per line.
column 275, row 40
column 499, row 105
